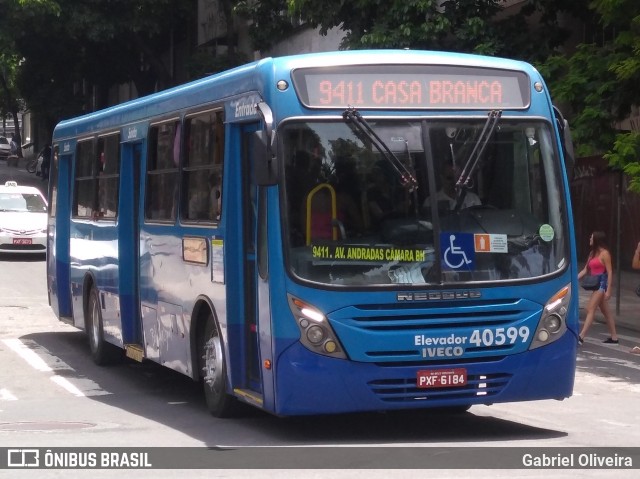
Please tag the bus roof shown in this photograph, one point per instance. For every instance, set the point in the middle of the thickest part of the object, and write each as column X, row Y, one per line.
column 368, row 57
column 250, row 78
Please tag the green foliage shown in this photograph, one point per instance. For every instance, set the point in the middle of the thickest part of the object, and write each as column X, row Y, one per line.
column 625, row 155
column 474, row 26
column 66, row 44
column 599, row 83
column 270, row 21
column 462, row 25
column 584, row 83
column 10, row 60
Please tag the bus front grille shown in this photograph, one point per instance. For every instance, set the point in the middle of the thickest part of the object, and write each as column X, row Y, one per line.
column 446, row 332
column 405, row 390
column 448, row 316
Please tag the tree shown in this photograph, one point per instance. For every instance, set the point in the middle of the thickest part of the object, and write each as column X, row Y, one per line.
column 270, row 21
column 96, row 44
column 207, row 60
column 10, row 102
column 474, row 26
column 599, row 82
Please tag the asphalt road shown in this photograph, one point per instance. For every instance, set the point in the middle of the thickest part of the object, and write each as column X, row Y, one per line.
column 52, row 395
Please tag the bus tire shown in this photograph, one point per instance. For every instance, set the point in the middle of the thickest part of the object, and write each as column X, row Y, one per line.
column 213, row 371
column 102, row 352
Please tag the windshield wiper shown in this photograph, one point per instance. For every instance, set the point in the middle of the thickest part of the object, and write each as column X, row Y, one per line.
column 464, row 180
column 353, row 116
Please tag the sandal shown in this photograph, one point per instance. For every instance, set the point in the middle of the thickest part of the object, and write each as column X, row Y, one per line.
column 635, row 350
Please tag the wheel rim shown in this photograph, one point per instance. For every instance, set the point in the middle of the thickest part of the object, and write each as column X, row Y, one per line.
column 95, row 325
column 213, row 364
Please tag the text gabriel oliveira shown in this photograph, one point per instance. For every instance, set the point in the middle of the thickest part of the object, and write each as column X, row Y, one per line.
column 590, row 460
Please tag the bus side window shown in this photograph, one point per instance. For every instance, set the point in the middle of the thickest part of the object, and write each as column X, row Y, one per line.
column 202, row 169
column 108, row 175
column 162, row 171
column 85, row 191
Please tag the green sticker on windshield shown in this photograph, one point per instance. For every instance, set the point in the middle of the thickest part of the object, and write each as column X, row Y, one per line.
column 546, row 232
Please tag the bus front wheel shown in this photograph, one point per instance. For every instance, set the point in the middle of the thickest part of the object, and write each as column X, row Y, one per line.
column 213, row 371
column 102, row 352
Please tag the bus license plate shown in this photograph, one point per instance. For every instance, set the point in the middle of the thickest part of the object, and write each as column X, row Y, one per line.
column 441, row 378
column 21, row 240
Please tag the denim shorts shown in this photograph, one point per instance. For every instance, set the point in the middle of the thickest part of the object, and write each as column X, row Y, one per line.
column 603, row 282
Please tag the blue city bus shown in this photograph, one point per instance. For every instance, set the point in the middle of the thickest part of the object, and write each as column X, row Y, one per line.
column 326, row 233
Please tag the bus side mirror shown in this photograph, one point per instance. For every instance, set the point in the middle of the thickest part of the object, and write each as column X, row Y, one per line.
column 567, row 142
column 569, row 155
column 266, row 168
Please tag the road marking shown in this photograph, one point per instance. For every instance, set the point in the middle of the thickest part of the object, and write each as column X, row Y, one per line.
column 40, row 359
column 27, row 354
column 5, row 395
column 66, row 384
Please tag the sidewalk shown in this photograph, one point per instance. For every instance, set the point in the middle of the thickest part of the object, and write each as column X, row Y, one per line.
column 21, row 175
column 627, row 315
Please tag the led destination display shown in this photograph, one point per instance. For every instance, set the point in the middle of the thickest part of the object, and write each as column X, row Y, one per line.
column 395, row 86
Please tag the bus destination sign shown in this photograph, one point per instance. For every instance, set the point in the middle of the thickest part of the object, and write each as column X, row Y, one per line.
column 413, row 86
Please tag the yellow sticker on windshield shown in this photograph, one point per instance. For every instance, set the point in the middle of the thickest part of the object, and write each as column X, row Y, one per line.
column 368, row 253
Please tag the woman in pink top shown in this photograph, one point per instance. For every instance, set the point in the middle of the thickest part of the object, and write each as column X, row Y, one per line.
column 599, row 263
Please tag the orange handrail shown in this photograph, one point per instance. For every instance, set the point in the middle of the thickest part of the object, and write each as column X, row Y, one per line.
column 334, row 210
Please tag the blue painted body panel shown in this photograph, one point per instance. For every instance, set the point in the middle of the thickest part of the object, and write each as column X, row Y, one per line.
column 312, row 384
column 299, row 382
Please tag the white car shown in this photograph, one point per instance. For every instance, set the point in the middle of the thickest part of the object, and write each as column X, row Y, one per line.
column 23, row 219
column 5, row 148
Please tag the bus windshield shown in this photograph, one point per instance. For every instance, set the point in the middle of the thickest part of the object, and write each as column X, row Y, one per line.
column 488, row 205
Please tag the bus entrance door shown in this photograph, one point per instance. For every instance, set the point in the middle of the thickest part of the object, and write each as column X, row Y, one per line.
column 255, row 291
column 128, row 246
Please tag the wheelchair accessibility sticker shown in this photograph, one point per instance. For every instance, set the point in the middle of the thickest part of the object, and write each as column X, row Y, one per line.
column 458, row 251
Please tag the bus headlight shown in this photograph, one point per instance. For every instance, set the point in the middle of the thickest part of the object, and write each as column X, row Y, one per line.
column 553, row 322
column 316, row 334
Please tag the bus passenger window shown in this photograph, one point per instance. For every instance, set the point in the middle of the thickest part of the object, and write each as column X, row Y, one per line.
column 202, row 168
column 108, row 175
column 86, row 190
column 162, row 171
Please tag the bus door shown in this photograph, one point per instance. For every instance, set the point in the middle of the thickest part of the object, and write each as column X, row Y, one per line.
column 59, row 285
column 256, row 297
column 129, row 248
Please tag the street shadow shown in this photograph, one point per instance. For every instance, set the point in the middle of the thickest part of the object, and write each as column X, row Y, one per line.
column 617, row 365
column 164, row 396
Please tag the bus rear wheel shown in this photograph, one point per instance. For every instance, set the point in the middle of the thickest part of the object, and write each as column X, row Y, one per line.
column 213, row 371
column 102, row 352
